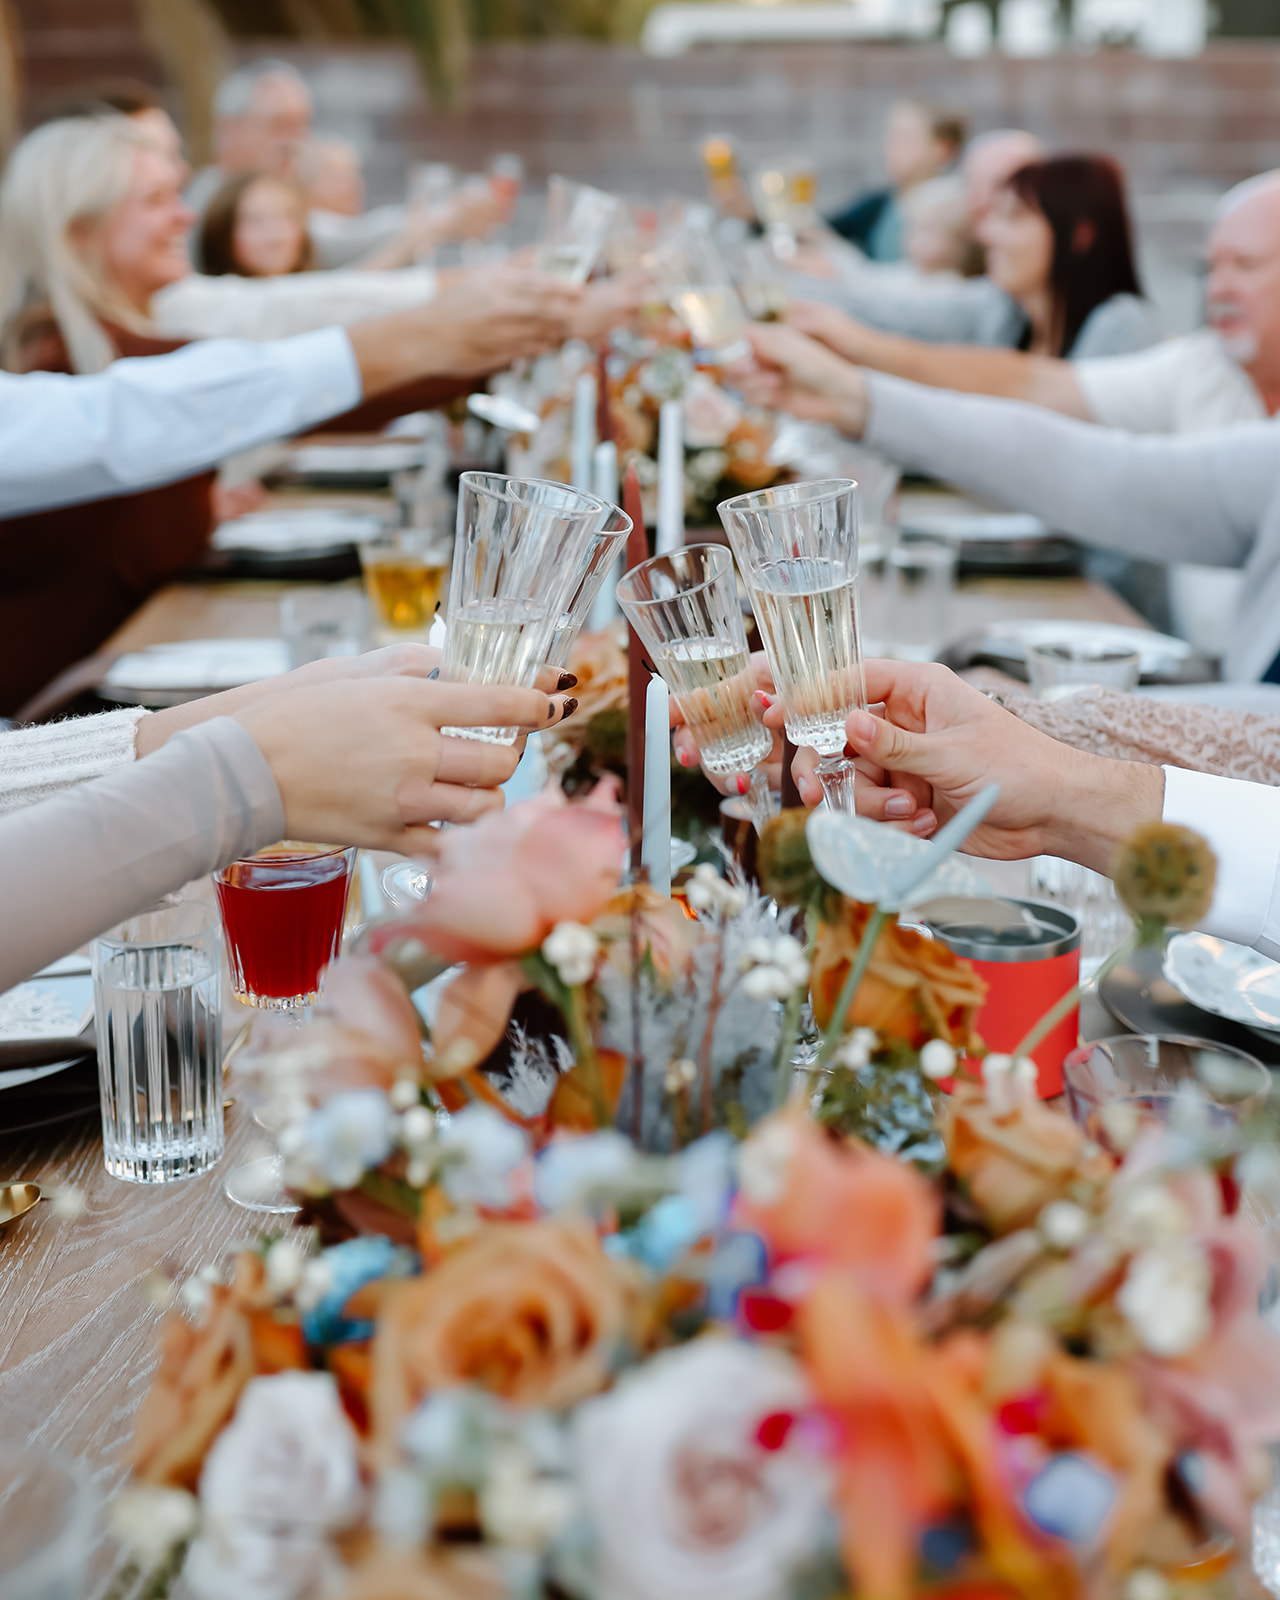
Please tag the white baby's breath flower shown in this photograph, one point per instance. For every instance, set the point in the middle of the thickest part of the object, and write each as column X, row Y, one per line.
column 937, row 1060
column 159, row 1289
column 149, row 1520
column 855, row 1049
column 679, row 1075
column 1145, row 1583
column 1008, row 1083
column 284, row 1264
column 1165, row 1298
column 521, row 1507
column 404, row 1094
column 417, row 1129
column 67, row 1203
column 317, row 1280
column 195, row 1295
column 1119, row 1119
column 764, row 1162
column 1063, row 1224
column 417, row 1173
column 708, row 891
column 1144, row 1215
column 775, row 968
column 572, row 950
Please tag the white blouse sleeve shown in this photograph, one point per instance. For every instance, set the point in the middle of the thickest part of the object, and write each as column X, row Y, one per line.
column 1241, row 822
column 199, row 307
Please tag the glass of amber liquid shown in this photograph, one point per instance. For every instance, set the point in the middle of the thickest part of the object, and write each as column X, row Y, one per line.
column 405, row 575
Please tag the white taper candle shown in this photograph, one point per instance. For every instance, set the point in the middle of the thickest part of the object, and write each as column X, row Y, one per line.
column 584, row 431
column 604, row 483
column 655, row 846
column 670, row 534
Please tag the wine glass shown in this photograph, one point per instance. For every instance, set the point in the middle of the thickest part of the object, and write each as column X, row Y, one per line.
column 684, row 607
column 282, row 915
column 522, row 549
column 577, row 222
column 602, row 557
column 797, row 549
column 699, row 289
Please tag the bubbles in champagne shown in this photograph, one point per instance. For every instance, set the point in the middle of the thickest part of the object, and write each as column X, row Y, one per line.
column 806, row 611
column 494, row 641
column 713, row 682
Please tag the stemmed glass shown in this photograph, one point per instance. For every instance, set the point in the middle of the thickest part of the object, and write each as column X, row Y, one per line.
column 603, row 555
column 577, row 223
column 522, row 549
column 684, row 607
column 282, row 914
column 699, row 289
column 797, row 549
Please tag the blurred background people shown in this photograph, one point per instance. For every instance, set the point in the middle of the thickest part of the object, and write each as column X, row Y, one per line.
column 256, row 226
column 262, row 119
column 936, row 229
column 990, row 160
column 920, row 143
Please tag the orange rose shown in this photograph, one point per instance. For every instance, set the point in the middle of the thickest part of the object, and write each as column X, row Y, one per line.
column 203, row 1368
column 415, row 1575
column 531, row 1311
column 1014, row 1164
column 914, row 989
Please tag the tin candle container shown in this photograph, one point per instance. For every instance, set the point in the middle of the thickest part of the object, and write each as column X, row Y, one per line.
column 1028, row 964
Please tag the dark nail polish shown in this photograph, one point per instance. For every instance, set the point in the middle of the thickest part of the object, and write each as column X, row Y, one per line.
column 568, row 680
column 570, row 706
column 434, row 673
column 551, row 710
column 850, row 754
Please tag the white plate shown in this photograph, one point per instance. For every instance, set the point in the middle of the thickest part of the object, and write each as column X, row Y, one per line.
column 55, row 1007
column 304, row 529
column 977, row 527
column 1159, row 652
column 1262, row 699
column 189, row 665
column 343, row 460
column 15, row 1077
column 1227, row 979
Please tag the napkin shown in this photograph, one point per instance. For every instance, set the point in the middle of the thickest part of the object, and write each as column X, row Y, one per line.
column 199, row 664
column 281, row 532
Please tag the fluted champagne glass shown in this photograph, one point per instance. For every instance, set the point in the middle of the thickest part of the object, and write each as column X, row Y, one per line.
column 602, row 557
column 684, row 607
column 522, row 549
column 797, row 550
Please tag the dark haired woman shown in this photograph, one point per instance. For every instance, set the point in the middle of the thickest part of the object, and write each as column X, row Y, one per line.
column 1059, row 245
column 256, row 227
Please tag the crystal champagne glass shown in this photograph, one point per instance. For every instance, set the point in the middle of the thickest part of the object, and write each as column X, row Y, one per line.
column 601, row 560
column 797, row 549
column 699, row 289
column 684, row 607
column 577, row 222
column 522, row 549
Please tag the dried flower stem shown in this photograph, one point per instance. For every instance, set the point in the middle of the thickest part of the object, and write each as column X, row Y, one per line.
column 848, row 990
column 584, row 1050
column 708, row 1033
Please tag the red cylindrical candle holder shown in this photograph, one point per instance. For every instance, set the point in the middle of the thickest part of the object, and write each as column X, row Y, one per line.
column 1027, row 970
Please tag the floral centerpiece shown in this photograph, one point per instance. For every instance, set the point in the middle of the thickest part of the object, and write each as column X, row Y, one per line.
column 604, row 1299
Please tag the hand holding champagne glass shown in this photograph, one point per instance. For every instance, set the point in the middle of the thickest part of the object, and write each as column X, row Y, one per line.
column 684, row 607
column 797, row 548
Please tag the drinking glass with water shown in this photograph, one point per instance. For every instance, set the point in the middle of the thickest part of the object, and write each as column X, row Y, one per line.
column 157, row 999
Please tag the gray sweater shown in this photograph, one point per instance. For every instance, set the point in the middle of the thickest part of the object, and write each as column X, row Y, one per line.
column 73, row 866
column 1211, row 497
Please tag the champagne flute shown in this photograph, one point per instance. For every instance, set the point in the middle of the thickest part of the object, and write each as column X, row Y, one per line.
column 699, row 289
column 522, row 549
column 684, row 607
column 797, row 547
column 577, row 223
column 601, row 560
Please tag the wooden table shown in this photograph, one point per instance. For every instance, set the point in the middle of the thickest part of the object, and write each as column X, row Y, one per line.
column 76, row 1327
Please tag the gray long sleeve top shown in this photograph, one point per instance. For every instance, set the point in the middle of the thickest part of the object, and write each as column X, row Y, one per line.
column 75, row 865
column 1211, row 497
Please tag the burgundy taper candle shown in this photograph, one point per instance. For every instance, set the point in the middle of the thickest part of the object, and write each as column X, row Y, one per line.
column 637, row 675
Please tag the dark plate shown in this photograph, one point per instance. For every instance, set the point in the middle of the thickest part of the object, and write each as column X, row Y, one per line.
column 61, row 1097
column 1142, row 1000
column 1020, row 558
column 332, row 564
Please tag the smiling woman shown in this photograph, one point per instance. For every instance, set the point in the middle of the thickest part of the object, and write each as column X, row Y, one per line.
column 256, row 226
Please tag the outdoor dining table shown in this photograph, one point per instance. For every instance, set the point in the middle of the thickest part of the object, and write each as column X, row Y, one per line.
column 77, row 1327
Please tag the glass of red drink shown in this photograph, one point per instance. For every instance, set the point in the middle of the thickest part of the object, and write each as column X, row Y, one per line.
column 282, row 912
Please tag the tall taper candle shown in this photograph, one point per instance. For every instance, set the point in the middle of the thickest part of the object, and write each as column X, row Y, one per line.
column 655, row 851
column 604, row 483
column 637, row 674
column 584, row 431
column 670, row 478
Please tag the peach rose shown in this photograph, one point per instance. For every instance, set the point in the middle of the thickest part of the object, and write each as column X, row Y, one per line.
column 809, row 1194
column 503, row 883
column 1014, row 1164
column 418, row 1575
column 531, row 1311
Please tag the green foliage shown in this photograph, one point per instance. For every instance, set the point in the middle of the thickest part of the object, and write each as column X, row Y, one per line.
column 888, row 1104
column 786, row 868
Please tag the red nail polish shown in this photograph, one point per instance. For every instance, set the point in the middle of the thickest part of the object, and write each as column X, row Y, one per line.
column 743, row 785
column 764, row 699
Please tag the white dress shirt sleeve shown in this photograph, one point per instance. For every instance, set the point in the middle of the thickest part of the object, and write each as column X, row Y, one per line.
column 198, row 307
column 1241, row 822
column 149, row 421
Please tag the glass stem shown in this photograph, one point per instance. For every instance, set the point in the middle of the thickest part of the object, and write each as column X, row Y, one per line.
column 836, row 774
column 759, row 798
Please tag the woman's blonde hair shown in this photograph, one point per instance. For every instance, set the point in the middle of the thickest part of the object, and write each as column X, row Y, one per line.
column 67, row 173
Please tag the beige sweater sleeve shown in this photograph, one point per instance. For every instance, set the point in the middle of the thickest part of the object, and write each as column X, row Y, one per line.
column 37, row 763
column 75, row 865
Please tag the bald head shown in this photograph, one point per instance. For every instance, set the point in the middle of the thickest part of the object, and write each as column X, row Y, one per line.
column 1243, row 290
column 990, row 161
